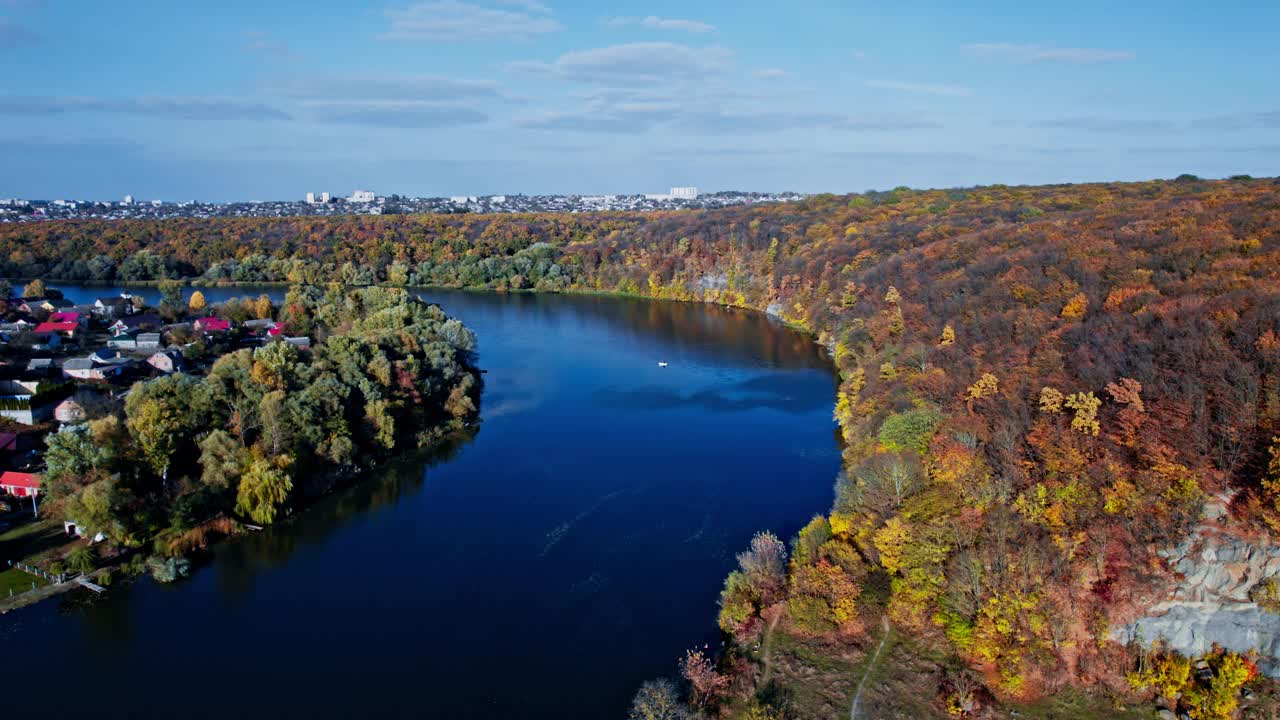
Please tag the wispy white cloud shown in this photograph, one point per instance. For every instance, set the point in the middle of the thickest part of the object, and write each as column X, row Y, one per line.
column 772, row 73
column 1225, row 123
column 632, row 63
column 444, row 20
column 391, row 86
column 527, row 5
column 653, row 22
column 263, row 43
column 1096, row 124
column 186, row 108
column 395, row 113
column 920, row 88
column 643, row 116
column 1039, row 53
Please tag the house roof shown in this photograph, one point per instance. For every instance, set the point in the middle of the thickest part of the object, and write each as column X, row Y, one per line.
column 133, row 321
column 56, row 327
column 214, row 323
column 78, row 364
column 70, row 317
column 8, row 441
column 19, row 479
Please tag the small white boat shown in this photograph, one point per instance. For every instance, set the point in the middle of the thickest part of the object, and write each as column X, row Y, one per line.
column 662, row 364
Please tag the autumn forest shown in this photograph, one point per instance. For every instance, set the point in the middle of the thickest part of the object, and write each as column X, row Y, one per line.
column 1040, row 388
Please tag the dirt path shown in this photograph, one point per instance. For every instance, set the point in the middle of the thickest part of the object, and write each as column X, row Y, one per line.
column 871, row 665
column 768, row 647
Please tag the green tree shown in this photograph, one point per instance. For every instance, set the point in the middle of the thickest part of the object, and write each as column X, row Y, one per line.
column 170, row 295
column 910, row 430
column 70, row 457
column 222, row 459
column 264, row 488
column 83, row 559
column 34, row 289
column 158, row 419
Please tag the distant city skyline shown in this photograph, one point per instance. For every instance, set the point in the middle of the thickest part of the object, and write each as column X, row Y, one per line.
column 485, row 97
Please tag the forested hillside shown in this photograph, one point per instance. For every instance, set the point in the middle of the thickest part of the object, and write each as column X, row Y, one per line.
column 1040, row 386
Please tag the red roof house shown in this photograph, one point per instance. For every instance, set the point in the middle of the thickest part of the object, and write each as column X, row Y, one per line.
column 276, row 330
column 212, row 324
column 65, row 317
column 19, row 484
column 64, row 328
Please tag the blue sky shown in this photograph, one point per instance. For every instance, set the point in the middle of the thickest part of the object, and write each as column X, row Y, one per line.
column 267, row 100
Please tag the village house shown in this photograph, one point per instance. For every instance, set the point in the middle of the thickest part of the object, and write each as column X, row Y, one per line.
column 42, row 366
column 168, row 362
column 148, row 340
column 19, row 484
column 70, row 412
column 104, row 355
column 212, row 325
column 131, row 323
column 86, row 369
column 112, row 357
column 110, row 307
column 17, row 398
column 20, row 325
column 77, row 408
column 65, row 329
column 71, row 317
column 43, row 304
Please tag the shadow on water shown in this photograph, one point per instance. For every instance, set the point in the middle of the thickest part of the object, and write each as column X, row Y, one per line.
column 243, row 558
column 711, row 333
column 774, row 392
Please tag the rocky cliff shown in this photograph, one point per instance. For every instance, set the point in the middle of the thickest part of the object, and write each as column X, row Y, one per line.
column 1215, row 571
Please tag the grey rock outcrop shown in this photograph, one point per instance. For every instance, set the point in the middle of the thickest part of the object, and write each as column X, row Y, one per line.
column 1209, row 603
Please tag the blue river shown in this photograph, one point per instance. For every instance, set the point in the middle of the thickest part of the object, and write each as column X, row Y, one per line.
column 572, row 548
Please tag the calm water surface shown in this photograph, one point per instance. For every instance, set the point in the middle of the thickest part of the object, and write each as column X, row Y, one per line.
column 543, row 568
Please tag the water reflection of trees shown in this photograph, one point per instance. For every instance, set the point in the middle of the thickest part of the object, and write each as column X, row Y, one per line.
column 712, row 333
column 239, row 561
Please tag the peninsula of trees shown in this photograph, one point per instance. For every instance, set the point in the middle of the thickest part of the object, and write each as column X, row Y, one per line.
column 1041, row 387
column 267, row 424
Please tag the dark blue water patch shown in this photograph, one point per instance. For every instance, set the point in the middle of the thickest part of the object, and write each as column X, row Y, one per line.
column 571, row 549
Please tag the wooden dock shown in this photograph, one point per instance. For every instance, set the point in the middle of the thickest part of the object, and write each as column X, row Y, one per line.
column 85, row 582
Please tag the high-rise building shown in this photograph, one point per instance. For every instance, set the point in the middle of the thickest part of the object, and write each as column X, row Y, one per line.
column 684, row 193
column 311, row 198
column 363, row 196
column 324, row 197
column 128, row 199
